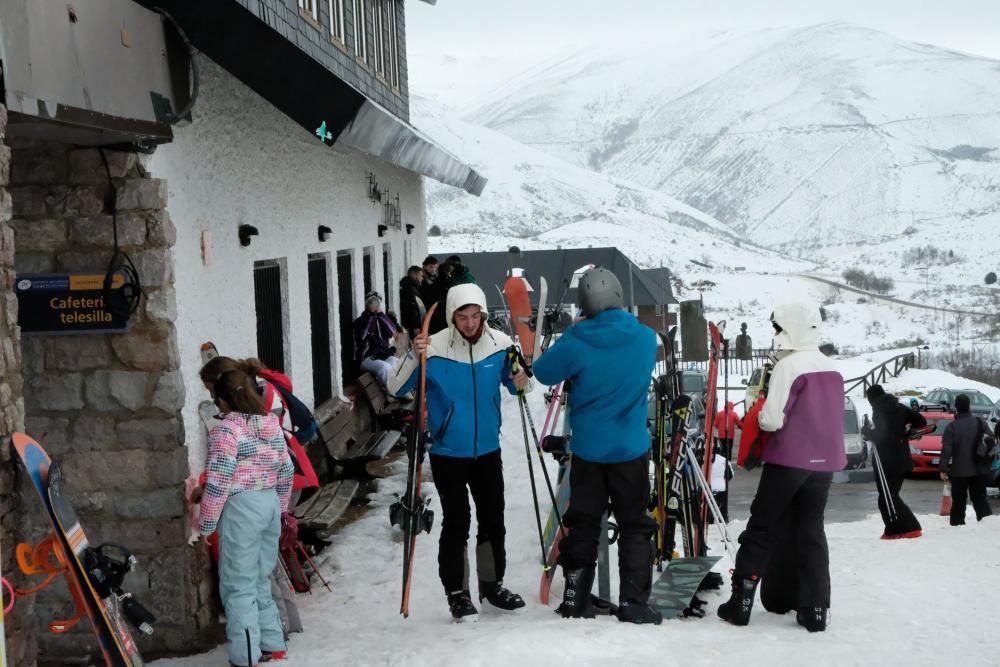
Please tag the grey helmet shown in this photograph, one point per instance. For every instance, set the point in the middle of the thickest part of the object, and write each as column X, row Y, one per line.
column 599, row 290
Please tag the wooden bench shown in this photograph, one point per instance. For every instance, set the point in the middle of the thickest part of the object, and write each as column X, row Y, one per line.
column 322, row 511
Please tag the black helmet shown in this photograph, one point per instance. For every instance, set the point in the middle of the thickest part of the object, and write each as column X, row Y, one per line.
column 599, row 290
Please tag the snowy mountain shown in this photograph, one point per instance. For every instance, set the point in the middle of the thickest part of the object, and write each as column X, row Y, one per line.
column 797, row 137
column 537, row 200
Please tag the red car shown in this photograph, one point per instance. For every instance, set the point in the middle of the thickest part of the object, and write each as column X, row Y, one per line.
column 926, row 450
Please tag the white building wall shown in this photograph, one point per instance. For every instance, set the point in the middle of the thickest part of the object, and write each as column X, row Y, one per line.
column 243, row 162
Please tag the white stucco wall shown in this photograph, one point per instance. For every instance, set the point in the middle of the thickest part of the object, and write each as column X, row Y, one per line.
column 243, row 162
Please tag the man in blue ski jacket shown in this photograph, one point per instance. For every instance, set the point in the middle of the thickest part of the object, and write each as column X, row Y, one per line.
column 466, row 364
column 609, row 358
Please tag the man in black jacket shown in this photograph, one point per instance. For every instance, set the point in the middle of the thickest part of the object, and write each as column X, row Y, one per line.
column 409, row 300
column 958, row 462
column 893, row 420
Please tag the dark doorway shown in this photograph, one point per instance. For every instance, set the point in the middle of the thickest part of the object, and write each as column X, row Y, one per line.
column 319, row 320
column 386, row 278
column 267, row 297
column 345, row 292
column 366, row 269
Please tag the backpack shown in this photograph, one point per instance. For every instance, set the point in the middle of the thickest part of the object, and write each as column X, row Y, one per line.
column 303, row 423
column 986, row 447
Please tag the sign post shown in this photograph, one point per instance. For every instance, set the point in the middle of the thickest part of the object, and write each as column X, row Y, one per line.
column 68, row 303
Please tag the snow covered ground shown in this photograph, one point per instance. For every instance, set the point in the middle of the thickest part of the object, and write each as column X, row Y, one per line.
column 917, row 602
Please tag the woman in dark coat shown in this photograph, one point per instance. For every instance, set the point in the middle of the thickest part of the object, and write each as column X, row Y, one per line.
column 959, row 464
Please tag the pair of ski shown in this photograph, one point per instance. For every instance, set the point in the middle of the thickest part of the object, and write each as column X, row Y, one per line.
column 93, row 575
column 682, row 492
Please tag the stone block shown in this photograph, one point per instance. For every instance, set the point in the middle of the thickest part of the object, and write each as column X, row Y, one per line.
column 51, row 392
column 28, row 201
column 128, row 470
column 155, row 266
column 34, row 262
column 111, row 391
column 52, row 432
column 75, row 201
column 32, row 356
column 47, row 235
column 161, row 305
column 7, row 247
column 4, row 165
column 9, row 318
column 6, row 205
column 86, row 261
column 87, row 168
column 141, row 537
column 149, row 346
column 90, row 433
column 99, row 231
column 161, row 504
column 169, row 393
column 167, row 577
column 77, row 353
column 161, row 229
column 142, row 193
column 160, row 434
column 39, row 166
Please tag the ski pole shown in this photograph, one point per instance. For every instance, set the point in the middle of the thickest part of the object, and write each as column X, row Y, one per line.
column 517, row 363
column 313, row 566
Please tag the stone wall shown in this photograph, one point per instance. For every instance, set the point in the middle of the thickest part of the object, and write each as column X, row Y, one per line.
column 107, row 407
column 21, row 646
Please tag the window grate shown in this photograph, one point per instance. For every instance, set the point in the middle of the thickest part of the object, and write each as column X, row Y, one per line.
column 267, row 298
column 319, row 320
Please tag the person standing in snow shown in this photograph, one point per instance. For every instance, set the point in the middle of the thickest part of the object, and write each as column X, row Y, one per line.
column 722, row 472
column 959, row 464
column 726, row 423
column 466, row 364
column 804, row 416
column 609, row 358
column 248, row 481
column 410, row 301
column 893, row 422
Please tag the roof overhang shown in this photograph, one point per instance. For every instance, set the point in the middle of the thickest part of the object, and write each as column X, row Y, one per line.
column 252, row 49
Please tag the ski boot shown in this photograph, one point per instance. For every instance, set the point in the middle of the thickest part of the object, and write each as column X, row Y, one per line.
column 737, row 609
column 461, row 607
column 812, row 619
column 577, row 602
column 498, row 596
column 268, row 656
column 638, row 612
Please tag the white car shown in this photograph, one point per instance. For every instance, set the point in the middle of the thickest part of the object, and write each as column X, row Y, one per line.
column 854, row 443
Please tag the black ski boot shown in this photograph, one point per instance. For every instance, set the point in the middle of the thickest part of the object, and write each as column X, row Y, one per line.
column 461, row 607
column 638, row 612
column 498, row 596
column 737, row 609
column 576, row 598
column 812, row 619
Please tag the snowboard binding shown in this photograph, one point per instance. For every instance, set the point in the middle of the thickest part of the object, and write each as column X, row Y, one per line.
column 106, row 567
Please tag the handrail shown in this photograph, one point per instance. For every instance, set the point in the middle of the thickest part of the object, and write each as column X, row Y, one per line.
column 880, row 373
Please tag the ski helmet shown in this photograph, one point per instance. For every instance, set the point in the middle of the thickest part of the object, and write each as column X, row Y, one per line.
column 599, row 290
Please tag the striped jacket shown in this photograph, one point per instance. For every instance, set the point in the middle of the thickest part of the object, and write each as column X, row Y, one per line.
column 245, row 453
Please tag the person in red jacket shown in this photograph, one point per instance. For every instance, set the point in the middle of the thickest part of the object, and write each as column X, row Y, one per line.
column 726, row 423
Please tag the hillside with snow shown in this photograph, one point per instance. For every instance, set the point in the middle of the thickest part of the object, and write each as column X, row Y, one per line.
column 796, row 137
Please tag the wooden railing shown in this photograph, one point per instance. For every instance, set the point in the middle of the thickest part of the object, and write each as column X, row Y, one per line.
column 889, row 368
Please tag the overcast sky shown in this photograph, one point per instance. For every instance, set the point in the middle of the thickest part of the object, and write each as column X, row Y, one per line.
column 490, row 27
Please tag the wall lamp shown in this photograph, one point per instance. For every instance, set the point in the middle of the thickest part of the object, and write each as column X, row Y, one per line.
column 324, row 233
column 245, row 233
column 409, row 229
column 382, row 229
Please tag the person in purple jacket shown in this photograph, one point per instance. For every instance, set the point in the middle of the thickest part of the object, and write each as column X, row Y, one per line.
column 785, row 542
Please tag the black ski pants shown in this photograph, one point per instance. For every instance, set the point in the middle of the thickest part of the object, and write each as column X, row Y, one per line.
column 961, row 487
column 454, row 479
column 785, row 541
column 626, row 485
column 896, row 515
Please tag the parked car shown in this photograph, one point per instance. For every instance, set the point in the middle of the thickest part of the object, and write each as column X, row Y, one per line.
column 754, row 385
column 694, row 382
column 926, row 450
column 854, row 444
column 980, row 403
